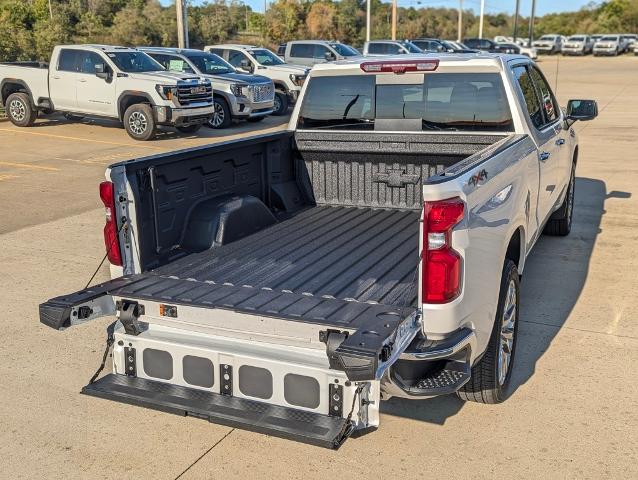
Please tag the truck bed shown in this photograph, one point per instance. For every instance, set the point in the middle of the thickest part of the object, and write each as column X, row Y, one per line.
column 307, row 268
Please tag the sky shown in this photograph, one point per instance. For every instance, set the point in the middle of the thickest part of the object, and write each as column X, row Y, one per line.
column 491, row 6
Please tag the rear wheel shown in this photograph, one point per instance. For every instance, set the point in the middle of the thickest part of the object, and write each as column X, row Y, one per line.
column 139, row 122
column 190, row 128
column 491, row 375
column 221, row 114
column 280, row 106
column 560, row 223
column 20, row 111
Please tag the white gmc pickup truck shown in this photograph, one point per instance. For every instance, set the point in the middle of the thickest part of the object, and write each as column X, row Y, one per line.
column 115, row 82
column 287, row 283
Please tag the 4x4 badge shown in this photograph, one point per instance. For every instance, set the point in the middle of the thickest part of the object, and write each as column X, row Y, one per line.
column 477, row 177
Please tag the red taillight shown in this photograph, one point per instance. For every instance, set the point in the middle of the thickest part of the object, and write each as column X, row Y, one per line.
column 441, row 268
column 400, row 66
column 111, row 242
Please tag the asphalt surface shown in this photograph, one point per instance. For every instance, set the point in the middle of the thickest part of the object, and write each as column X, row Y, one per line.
column 573, row 410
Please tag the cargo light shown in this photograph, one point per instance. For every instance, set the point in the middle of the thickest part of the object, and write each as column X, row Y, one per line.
column 111, row 241
column 400, row 66
column 441, row 265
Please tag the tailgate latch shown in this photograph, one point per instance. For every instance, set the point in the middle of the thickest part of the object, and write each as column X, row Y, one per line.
column 128, row 312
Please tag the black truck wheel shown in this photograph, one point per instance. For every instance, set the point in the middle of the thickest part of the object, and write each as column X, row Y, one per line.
column 560, row 223
column 491, row 375
column 139, row 122
column 281, row 103
column 19, row 110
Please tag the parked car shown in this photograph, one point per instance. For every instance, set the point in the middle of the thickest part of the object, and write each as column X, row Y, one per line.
column 578, row 45
column 549, row 44
column 519, row 50
column 114, row 82
column 523, row 42
column 311, row 52
column 487, row 45
column 237, row 96
column 609, row 45
column 389, row 47
column 288, row 79
column 286, row 283
column 630, row 41
column 441, row 46
column 636, row 48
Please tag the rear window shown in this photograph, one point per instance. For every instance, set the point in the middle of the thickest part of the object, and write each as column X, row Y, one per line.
column 444, row 101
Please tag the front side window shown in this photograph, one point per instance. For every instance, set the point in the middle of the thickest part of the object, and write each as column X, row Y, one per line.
column 88, row 60
column 526, row 86
column 235, row 58
column 411, row 47
column 548, row 101
column 344, row 50
column 134, row 62
column 264, row 56
column 210, row 64
column 320, row 52
column 444, row 101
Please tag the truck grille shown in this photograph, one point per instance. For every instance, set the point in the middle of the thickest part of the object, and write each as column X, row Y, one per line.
column 264, row 92
column 195, row 93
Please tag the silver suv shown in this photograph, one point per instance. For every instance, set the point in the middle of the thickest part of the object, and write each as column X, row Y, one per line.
column 237, row 96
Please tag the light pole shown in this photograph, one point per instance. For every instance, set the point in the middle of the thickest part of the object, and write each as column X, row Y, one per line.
column 182, row 24
column 481, row 19
column 460, row 26
column 518, row 6
column 368, row 21
column 531, row 23
column 394, row 19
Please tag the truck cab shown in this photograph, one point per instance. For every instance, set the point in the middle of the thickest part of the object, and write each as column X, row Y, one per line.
column 287, row 78
column 390, row 47
column 312, row 52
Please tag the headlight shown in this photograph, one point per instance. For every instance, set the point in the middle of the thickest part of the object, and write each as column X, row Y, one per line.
column 297, row 79
column 238, row 89
column 167, row 92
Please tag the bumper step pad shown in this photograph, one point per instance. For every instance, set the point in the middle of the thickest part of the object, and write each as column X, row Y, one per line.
column 307, row 427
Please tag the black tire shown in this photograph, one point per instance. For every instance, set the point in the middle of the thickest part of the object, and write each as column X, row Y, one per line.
column 255, row 119
column 72, row 117
column 489, row 383
column 189, row 128
column 139, row 122
column 221, row 117
column 560, row 223
column 19, row 110
column 281, row 103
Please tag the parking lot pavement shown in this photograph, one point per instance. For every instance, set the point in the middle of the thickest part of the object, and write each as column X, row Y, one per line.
column 572, row 413
column 59, row 162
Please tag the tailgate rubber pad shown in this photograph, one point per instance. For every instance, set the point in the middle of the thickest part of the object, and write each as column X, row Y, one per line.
column 307, row 427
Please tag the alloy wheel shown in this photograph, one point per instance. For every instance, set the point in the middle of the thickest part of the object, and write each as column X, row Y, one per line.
column 506, row 340
column 17, row 110
column 218, row 115
column 137, row 123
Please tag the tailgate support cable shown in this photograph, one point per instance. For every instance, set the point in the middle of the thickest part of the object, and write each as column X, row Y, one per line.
column 110, row 339
column 348, row 427
column 115, row 239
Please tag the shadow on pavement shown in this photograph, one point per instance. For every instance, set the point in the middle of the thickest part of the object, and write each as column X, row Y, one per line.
column 553, row 280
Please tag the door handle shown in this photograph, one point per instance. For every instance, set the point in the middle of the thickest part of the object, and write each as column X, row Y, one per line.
column 560, row 141
column 82, row 80
column 55, row 77
column 544, row 156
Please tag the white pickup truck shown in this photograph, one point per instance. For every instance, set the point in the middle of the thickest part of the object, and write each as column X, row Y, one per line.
column 288, row 282
column 114, row 82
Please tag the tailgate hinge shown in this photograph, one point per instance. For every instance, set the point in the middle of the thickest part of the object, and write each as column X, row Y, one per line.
column 128, row 312
column 332, row 339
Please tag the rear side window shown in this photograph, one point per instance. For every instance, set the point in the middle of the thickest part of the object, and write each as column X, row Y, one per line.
column 444, row 101
column 302, row 50
column 528, row 90
column 68, row 60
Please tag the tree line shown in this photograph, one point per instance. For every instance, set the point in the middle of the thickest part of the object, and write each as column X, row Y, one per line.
column 30, row 28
